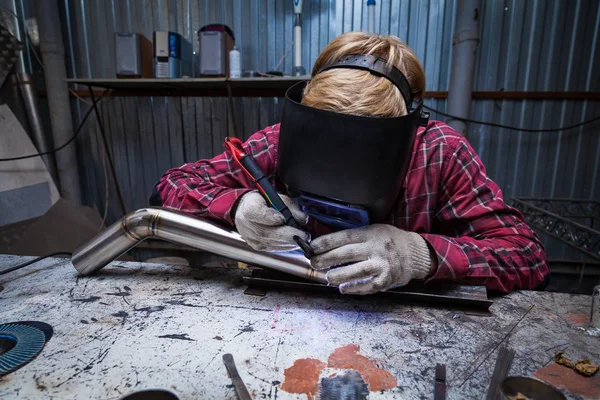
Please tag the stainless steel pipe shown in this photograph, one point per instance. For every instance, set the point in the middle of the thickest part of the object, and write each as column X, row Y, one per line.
column 178, row 228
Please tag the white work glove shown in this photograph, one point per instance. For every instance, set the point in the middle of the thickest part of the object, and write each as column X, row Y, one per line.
column 263, row 227
column 378, row 258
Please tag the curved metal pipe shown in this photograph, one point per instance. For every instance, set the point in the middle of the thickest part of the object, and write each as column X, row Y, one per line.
column 178, row 228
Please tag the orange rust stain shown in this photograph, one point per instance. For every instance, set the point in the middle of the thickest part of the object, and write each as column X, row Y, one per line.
column 563, row 377
column 578, row 318
column 303, row 377
column 347, row 357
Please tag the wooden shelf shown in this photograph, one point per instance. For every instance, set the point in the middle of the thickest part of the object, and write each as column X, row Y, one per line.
column 251, row 87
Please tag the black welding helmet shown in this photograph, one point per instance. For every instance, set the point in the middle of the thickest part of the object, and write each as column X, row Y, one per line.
column 347, row 171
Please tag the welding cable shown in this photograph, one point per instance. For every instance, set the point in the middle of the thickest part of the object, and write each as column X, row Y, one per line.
column 25, row 264
column 284, row 56
column 77, row 131
column 514, row 128
column 234, row 145
column 106, row 191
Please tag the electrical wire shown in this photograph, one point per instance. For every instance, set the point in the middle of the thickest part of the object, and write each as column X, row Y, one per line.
column 81, row 98
column 514, row 128
column 284, row 56
column 77, row 131
column 101, row 227
column 25, row 264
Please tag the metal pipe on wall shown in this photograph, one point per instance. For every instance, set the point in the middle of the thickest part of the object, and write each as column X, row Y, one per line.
column 462, row 70
column 42, row 141
column 9, row 13
column 55, row 73
column 371, row 16
column 298, row 69
column 174, row 227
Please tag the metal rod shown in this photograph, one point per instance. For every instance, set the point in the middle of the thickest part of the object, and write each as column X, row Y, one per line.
column 371, row 16
column 41, row 140
column 501, row 369
column 298, row 69
column 238, row 384
column 231, row 109
column 106, row 149
column 178, row 228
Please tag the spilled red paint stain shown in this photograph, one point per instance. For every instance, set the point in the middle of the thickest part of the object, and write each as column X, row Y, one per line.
column 347, row 357
column 563, row 377
column 578, row 318
column 303, row 377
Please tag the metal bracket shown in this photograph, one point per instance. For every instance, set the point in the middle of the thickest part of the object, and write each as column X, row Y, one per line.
column 568, row 208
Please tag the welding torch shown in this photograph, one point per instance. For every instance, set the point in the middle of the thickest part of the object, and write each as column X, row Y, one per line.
column 260, row 180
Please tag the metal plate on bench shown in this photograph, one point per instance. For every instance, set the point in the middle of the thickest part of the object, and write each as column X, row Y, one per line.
column 446, row 294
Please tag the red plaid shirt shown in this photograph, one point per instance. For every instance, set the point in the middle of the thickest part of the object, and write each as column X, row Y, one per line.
column 448, row 199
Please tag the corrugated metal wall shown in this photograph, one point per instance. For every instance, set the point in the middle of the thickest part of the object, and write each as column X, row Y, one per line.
column 533, row 45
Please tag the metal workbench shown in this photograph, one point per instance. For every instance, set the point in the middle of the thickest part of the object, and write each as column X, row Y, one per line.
column 136, row 326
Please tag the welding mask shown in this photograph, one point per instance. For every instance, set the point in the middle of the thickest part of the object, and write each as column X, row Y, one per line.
column 347, row 171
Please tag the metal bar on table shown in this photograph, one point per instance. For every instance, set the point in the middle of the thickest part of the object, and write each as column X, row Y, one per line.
column 440, row 382
column 240, row 389
column 448, row 294
column 503, row 364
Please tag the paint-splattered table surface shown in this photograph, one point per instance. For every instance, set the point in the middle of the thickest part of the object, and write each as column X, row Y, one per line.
column 136, row 326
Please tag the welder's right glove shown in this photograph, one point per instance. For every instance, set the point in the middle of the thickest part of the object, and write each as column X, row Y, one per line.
column 263, row 227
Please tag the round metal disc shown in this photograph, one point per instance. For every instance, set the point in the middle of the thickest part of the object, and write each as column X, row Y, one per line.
column 42, row 326
column 29, row 342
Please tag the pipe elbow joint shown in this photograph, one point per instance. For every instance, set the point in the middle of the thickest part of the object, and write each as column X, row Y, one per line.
column 141, row 224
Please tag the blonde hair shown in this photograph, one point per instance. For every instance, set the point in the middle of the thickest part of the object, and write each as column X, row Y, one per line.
column 358, row 92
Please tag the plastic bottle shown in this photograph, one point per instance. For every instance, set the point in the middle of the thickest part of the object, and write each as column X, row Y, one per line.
column 235, row 64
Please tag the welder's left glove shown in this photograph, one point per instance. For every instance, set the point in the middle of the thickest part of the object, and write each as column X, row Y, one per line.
column 378, row 258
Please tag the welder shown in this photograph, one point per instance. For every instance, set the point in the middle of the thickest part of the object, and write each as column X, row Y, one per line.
column 384, row 195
